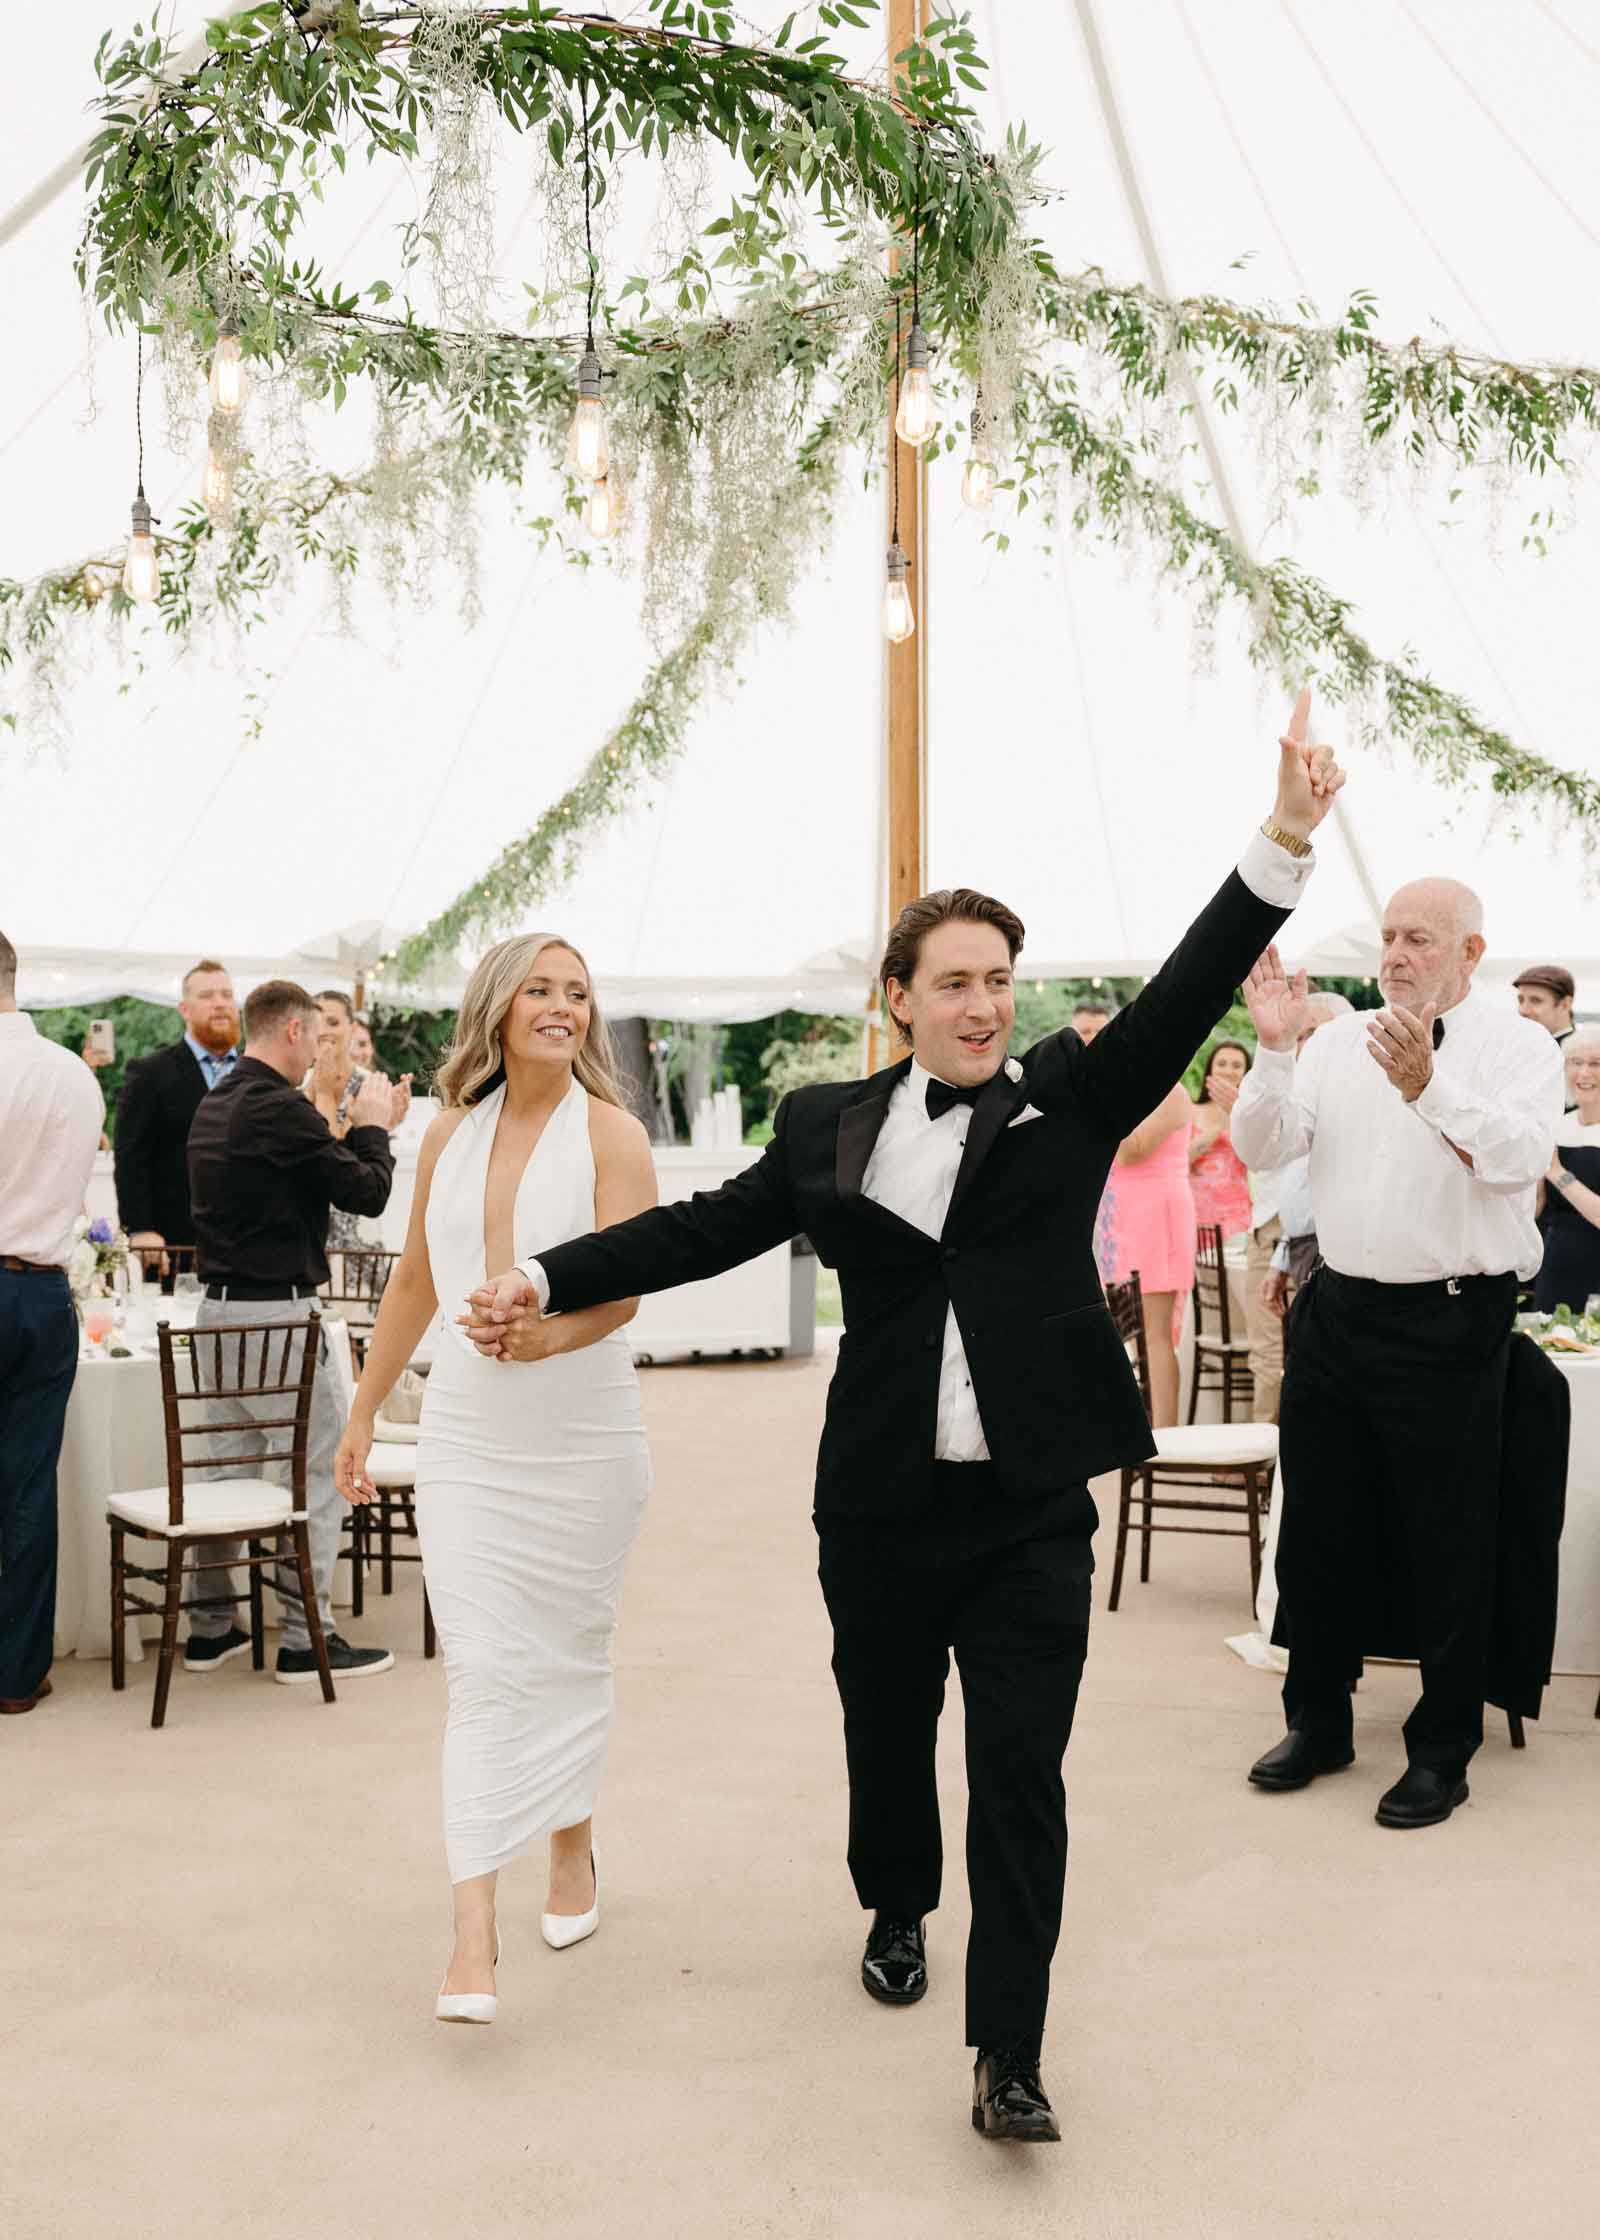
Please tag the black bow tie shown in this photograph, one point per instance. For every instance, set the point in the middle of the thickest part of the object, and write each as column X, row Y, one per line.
column 942, row 1098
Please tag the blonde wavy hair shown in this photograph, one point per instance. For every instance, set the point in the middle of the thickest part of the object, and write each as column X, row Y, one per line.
column 474, row 1065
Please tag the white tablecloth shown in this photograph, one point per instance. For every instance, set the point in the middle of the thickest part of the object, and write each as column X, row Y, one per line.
column 1578, row 1605
column 113, row 1444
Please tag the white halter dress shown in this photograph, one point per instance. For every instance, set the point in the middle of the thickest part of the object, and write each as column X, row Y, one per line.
column 531, row 1483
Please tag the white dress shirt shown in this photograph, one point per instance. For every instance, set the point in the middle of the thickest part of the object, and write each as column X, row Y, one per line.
column 51, row 1114
column 1393, row 1202
column 912, row 1172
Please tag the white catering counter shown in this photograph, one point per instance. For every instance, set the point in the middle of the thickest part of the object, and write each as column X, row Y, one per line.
column 749, row 1309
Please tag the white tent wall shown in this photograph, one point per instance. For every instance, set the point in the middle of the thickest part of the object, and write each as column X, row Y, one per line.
column 1081, row 762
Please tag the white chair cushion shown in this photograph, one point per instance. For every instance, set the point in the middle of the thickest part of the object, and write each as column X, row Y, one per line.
column 216, row 1508
column 1222, row 1345
column 1218, row 1446
column 396, row 1434
column 392, row 1466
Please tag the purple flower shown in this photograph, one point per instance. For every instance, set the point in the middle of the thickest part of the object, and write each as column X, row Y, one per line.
column 100, row 1230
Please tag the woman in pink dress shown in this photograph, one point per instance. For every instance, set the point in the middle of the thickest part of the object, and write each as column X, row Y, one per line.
column 1146, row 1224
column 1219, row 1177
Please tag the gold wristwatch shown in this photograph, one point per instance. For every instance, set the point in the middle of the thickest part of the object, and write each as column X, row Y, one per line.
column 1290, row 840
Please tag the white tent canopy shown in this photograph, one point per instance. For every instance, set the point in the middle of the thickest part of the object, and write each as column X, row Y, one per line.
column 1081, row 762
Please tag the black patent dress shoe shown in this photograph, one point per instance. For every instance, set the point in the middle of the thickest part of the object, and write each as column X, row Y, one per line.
column 1298, row 1759
column 1421, row 1798
column 1008, row 2099
column 894, row 1966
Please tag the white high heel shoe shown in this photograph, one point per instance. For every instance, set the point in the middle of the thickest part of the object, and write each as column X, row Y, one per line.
column 468, row 2006
column 562, row 1929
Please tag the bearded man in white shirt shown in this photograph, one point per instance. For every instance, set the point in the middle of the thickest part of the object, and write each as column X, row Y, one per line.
column 1428, row 1125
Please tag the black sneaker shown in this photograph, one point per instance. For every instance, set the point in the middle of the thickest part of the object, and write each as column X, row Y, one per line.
column 295, row 1665
column 203, row 1652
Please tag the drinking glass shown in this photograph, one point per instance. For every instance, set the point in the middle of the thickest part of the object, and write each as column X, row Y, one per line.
column 186, row 1286
column 97, row 1322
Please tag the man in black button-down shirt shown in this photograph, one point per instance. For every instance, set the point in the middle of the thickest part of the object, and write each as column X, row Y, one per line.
column 264, row 1167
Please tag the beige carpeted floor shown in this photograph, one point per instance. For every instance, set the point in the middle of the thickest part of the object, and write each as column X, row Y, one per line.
column 1270, row 2017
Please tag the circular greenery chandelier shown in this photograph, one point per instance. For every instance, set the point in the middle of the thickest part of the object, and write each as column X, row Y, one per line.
column 705, row 414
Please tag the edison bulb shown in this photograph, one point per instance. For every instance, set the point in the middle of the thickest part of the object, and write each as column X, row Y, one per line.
column 602, row 511
column 228, row 379
column 141, row 571
column 978, row 481
column 588, row 454
column 915, row 417
column 898, row 620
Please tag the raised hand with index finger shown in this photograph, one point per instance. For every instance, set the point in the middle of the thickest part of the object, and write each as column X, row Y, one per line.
column 1309, row 776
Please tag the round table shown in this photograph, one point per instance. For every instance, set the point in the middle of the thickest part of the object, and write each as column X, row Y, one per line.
column 1577, row 1649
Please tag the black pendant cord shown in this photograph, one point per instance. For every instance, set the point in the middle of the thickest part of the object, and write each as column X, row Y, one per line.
column 138, row 410
column 588, row 204
column 916, row 271
column 894, row 436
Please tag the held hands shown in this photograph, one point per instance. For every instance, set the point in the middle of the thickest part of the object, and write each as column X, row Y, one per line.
column 490, row 1314
column 1280, row 1007
column 350, row 1463
column 1403, row 1045
column 1308, row 776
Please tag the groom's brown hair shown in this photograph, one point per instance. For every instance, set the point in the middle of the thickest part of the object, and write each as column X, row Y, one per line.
column 945, row 906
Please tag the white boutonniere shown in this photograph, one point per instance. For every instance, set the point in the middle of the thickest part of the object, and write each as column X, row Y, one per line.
column 1013, row 1069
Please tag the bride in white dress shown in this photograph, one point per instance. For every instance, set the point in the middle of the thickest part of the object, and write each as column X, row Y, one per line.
column 531, row 1476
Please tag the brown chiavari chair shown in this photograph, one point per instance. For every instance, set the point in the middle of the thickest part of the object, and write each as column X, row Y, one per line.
column 354, row 1291
column 201, row 1371
column 1206, row 1459
column 1221, row 1361
column 392, row 1468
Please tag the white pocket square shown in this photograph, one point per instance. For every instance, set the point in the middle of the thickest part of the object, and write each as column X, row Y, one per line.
column 1028, row 1112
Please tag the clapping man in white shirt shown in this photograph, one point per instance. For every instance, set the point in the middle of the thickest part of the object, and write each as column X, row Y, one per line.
column 1428, row 1125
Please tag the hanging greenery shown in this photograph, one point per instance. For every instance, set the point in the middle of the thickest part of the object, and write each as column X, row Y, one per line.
column 739, row 347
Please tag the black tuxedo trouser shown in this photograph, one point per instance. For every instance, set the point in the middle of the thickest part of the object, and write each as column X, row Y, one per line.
column 1391, row 1416
column 1005, row 1584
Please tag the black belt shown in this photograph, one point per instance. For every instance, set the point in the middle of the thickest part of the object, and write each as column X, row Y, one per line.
column 1445, row 1287
column 16, row 1267
column 254, row 1293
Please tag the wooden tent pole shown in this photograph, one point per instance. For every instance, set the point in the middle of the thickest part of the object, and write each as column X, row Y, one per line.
column 906, row 743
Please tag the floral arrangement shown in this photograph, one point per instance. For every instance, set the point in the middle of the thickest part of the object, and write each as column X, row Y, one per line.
column 1563, row 1331
column 99, row 1249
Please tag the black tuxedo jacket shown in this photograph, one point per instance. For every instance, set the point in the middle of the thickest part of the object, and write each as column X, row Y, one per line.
column 1057, row 1396
column 160, row 1097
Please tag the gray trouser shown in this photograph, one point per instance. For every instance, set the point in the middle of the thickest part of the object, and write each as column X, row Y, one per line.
column 1262, row 1326
column 324, row 1507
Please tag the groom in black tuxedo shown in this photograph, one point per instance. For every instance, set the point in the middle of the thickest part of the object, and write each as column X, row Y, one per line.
column 980, row 1384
